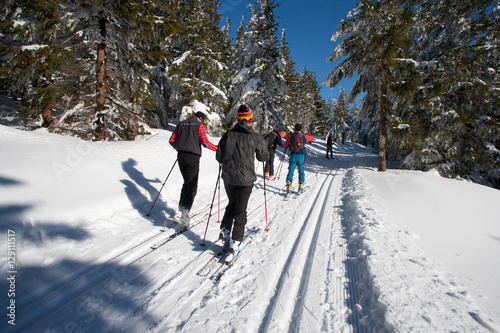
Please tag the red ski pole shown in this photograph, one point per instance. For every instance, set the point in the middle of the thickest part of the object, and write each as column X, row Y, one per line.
column 161, row 188
column 211, row 206
column 265, row 196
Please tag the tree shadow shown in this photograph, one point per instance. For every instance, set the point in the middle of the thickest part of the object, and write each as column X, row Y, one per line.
column 12, row 217
column 90, row 303
column 4, row 181
column 495, row 237
column 142, row 194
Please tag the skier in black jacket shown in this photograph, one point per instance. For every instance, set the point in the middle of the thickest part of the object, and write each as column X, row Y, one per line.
column 236, row 152
column 329, row 146
column 273, row 140
column 187, row 139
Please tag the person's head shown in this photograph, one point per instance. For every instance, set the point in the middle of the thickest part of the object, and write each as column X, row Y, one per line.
column 298, row 127
column 201, row 116
column 244, row 115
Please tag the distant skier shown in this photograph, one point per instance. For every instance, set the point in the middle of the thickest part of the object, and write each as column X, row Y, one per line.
column 329, row 146
column 187, row 139
column 296, row 141
column 236, row 152
column 273, row 140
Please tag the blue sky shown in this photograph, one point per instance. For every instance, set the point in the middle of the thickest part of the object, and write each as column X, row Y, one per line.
column 309, row 26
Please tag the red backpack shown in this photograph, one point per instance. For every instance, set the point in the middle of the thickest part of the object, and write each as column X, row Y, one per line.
column 296, row 143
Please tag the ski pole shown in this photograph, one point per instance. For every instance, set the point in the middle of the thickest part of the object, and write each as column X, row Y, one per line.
column 278, row 172
column 265, row 196
column 281, row 163
column 218, row 207
column 211, row 206
column 162, row 188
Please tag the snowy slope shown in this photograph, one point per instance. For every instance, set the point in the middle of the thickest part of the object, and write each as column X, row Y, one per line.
column 359, row 251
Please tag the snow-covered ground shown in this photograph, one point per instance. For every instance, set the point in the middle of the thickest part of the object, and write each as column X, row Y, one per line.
column 359, row 251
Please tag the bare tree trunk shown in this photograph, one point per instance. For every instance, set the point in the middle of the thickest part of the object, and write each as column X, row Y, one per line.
column 99, row 127
column 382, row 154
column 47, row 115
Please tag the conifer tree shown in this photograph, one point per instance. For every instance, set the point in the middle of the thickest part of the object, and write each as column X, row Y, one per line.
column 452, row 118
column 257, row 74
column 310, row 101
column 377, row 33
column 288, row 98
column 199, row 70
column 36, row 54
column 340, row 114
column 92, row 63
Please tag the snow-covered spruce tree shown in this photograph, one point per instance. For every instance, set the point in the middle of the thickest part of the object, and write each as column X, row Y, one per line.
column 376, row 33
column 35, row 54
column 338, row 117
column 329, row 115
column 257, row 74
column 115, row 66
column 353, row 124
column 452, row 120
column 310, row 104
column 198, row 70
column 159, row 22
column 364, row 128
column 288, row 98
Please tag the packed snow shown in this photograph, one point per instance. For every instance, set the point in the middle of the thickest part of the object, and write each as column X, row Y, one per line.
column 359, row 251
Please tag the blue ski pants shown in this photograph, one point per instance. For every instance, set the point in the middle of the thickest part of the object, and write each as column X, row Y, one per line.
column 296, row 160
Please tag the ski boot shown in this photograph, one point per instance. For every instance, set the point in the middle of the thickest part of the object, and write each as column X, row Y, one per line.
column 182, row 216
column 288, row 187
column 234, row 248
column 301, row 188
column 225, row 236
column 185, row 219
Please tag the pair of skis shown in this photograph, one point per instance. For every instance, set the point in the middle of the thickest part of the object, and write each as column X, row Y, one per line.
column 179, row 229
column 295, row 195
column 217, row 265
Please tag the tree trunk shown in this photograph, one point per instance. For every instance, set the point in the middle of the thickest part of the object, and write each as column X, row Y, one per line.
column 47, row 115
column 99, row 127
column 382, row 154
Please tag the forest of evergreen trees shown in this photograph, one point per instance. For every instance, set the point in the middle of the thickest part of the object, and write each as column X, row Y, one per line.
column 111, row 69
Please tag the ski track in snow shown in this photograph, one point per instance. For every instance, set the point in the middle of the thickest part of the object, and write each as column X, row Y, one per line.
column 311, row 272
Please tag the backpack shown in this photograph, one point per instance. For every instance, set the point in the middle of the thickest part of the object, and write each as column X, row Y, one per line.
column 296, row 143
column 270, row 138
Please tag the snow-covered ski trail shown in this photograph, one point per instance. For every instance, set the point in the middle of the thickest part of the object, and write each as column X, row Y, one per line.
column 276, row 282
column 166, row 294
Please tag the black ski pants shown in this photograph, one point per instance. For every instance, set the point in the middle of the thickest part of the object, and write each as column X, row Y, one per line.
column 235, row 217
column 269, row 167
column 189, row 164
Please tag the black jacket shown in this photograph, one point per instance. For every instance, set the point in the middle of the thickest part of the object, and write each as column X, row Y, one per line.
column 237, row 150
column 187, row 138
column 273, row 140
